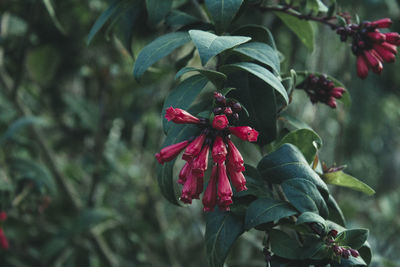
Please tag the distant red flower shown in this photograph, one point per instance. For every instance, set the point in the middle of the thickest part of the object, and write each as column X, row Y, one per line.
column 3, row 216
column 3, row 240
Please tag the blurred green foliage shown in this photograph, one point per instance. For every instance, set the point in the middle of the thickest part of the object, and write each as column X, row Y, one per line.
column 78, row 135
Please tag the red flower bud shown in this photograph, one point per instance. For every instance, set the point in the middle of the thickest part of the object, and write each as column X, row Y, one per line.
column 228, row 111
column 362, row 67
column 337, row 92
column 392, row 38
column 170, row 152
column 238, row 180
column 377, row 37
column 372, row 61
column 180, row 116
column 219, row 150
column 245, row 133
column 220, row 122
column 382, row 23
column 346, row 253
column 199, row 165
column 331, row 102
column 3, row 216
column 194, row 148
column 385, row 54
column 224, row 188
column 210, row 195
column 184, row 173
column 389, row 47
column 3, row 240
column 235, row 159
column 338, row 250
column 354, row 253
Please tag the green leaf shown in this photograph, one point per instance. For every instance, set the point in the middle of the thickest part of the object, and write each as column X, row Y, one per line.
column 223, row 12
column 261, row 73
column 365, row 252
column 349, row 262
column 317, row 6
column 306, row 140
column 257, row 33
column 157, row 49
column 256, row 186
column 222, row 230
column 157, row 10
column 294, row 122
column 311, row 217
column 217, row 78
column 353, row 238
column 53, row 16
column 183, row 96
column 261, row 52
column 287, row 163
column 304, row 196
column 342, row 179
column 89, row 218
column 210, row 45
column 335, row 213
column 259, row 100
column 302, row 28
column 165, row 176
column 284, row 246
column 20, row 124
column 179, row 18
column 265, row 210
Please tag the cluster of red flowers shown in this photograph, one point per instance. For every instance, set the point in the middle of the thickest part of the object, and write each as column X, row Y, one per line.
column 321, row 89
column 338, row 250
column 371, row 46
column 3, row 239
column 228, row 162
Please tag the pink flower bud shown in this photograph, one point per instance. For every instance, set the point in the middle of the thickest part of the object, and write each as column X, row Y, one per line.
column 346, row 253
column 377, row 37
column 194, row 148
column 385, row 54
column 219, row 150
column 170, row 152
column 238, row 180
column 235, row 159
column 184, row 173
column 362, row 67
column 199, row 165
column 372, row 61
column 245, row 133
column 3, row 216
column 382, row 23
column 337, row 92
column 392, row 38
column 180, row 116
column 224, row 188
column 220, row 122
column 210, row 195
column 354, row 253
column 338, row 250
column 332, row 102
column 228, row 111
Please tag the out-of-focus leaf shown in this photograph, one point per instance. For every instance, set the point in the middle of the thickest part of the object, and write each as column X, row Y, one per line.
column 89, row 218
column 20, row 124
column 295, row 122
column 217, row 78
column 157, row 49
column 210, row 45
column 43, row 63
column 179, row 18
column 222, row 230
column 342, row 179
column 53, row 16
column 302, row 28
column 223, row 12
column 127, row 22
column 317, row 6
column 157, row 10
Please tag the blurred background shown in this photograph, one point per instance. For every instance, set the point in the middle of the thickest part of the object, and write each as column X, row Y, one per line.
column 78, row 136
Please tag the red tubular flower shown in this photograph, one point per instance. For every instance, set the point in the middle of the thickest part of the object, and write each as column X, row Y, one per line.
column 377, row 37
column 381, row 23
column 245, row 133
column 224, row 188
column 372, row 61
column 210, row 195
column 194, row 148
column 3, row 216
column 337, row 92
column 199, row 165
column 393, row 38
column 238, row 180
column 362, row 67
column 186, row 169
column 219, row 150
column 235, row 159
column 390, row 47
column 170, row 152
column 189, row 189
column 3, row 240
column 199, row 187
column 220, row 122
column 385, row 54
column 180, row 116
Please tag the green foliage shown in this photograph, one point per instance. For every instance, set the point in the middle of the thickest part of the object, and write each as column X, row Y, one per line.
column 342, row 179
column 157, row 10
column 223, row 12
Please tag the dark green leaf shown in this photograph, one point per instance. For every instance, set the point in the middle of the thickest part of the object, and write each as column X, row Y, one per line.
column 311, row 217
column 294, row 122
column 259, row 100
column 223, row 12
column 287, row 163
column 284, row 246
column 365, row 252
column 89, row 218
column 349, row 262
column 306, row 140
column 304, row 196
column 261, row 73
column 53, row 16
column 217, row 78
column 257, row 33
column 183, row 96
column 302, row 28
column 353, row 238
column 265, row 210
column 256, row 186
column 342, row 179
column 179, row 18
column 157, row 10
column 18, row 125
column 335, row 213
column 210, row 45
column 126, row 24
column 222, row 230
column 157, row 49
column 261, row 52
column 165, row 176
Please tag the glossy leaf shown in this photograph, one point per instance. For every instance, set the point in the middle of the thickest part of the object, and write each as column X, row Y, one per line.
column 222, row 230
column 342, row 179
column 302, row 28
column 265, row 210
column 157, row 49
column 353, row 238
column 157, row 10
column 223, row 12
column 261, row 73
column 261, row 52
column 306, row 140
column 287, row 163
column 217, row 78
column 304, row 196
column 210, row 45
column 179, row 18
column 257, row 33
